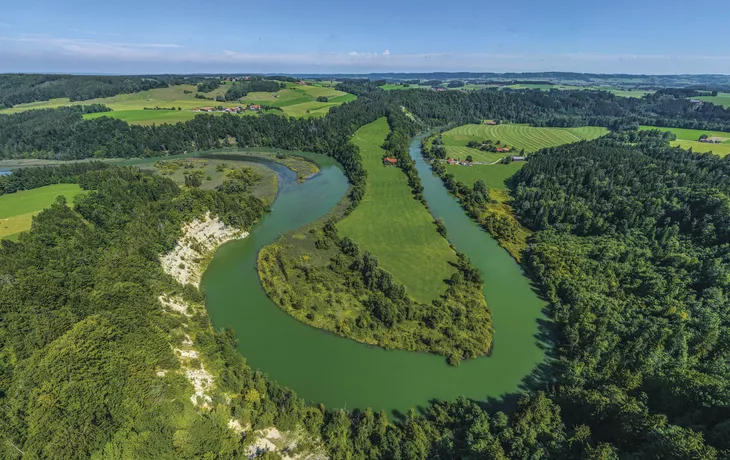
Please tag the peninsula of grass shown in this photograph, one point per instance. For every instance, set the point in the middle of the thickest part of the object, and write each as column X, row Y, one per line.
column 382, row 275
column 689, row 139
column 18, row 209
column 395, row 227
column 515, row 137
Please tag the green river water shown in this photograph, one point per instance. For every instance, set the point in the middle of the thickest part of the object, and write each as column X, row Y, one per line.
column 325, row 368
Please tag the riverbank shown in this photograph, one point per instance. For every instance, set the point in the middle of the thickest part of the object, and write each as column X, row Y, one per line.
column 382, row 274
column 200, row 239
column 340, row 373
column 488, row 206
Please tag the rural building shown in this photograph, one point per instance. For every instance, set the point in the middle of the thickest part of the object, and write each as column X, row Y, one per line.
column 206, row 109
column 390, row 161
column 490, row 122
column 695, row 101
column 451, row 161
column 709, row 141
column 503, row 149
column 254, row 107
column 517, row 158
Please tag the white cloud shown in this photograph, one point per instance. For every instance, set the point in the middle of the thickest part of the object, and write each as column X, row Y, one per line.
column 27, row 52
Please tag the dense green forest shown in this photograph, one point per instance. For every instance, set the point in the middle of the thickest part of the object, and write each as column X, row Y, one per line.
column 242, row 88
column 631, row 247
column 21, row 88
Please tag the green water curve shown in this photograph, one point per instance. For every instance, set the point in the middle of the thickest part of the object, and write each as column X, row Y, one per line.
column 324, row 368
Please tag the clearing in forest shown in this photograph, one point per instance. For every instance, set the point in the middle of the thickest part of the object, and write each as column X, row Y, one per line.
column 17, row 209
column 689, row 139
column 722, row 99
column 516, row 137
column 394, row 226
column 493, row 176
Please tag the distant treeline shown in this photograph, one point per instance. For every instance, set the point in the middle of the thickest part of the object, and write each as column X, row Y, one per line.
column 34, row 177
column 22, row 88
column 242, row 88
column 64, row 134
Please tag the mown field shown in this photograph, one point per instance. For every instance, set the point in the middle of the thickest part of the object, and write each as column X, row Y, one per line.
column 395, row 227
column 295, row 101
column 17, row 209
column 688, row 138
column 517, row 137
column 722, row 99
column 494, row 176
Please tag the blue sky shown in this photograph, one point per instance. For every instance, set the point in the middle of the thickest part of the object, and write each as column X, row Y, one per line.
column 310, row 36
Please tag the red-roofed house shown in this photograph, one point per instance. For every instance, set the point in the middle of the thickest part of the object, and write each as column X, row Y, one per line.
column 390, row 161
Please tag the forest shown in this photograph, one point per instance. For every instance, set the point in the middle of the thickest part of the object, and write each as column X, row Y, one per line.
column 630, row 246
column 242, row 88
column 21, row 88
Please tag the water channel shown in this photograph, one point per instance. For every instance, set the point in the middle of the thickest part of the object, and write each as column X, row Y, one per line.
column 325, row 368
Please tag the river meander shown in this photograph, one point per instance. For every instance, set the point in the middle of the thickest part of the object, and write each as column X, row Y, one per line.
column 325, row 368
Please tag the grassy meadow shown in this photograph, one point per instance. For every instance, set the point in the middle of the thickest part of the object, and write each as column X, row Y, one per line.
column 395, row 227
column 688, row 138
column 722, row 99
column 294, row 100
column 494, row 176
column 517, row 137
column 17, row 209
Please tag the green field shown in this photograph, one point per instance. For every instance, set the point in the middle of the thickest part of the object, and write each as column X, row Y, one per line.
column 688, row 138
column 395, row 227
column 295, row 101
column 494, row 176
column 722, row 99
column 17, row 209
column 517, row 137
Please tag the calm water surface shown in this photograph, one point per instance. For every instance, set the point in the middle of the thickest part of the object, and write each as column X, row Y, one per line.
column 324, row 368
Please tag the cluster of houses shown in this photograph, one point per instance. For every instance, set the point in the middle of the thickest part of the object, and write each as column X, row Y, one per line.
column 237, row 109
column 708, row 140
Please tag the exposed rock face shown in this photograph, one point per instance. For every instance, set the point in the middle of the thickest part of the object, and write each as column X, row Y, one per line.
column 200, row 238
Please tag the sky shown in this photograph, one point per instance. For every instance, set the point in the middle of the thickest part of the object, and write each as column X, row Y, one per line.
column 354, row 36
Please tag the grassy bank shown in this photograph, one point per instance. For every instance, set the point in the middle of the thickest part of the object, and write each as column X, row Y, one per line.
column 483, row 193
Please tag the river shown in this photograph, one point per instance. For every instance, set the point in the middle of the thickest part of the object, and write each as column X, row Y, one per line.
column 341, row 373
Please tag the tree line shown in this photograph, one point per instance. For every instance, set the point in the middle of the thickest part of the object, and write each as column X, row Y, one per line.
column 21, row 88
